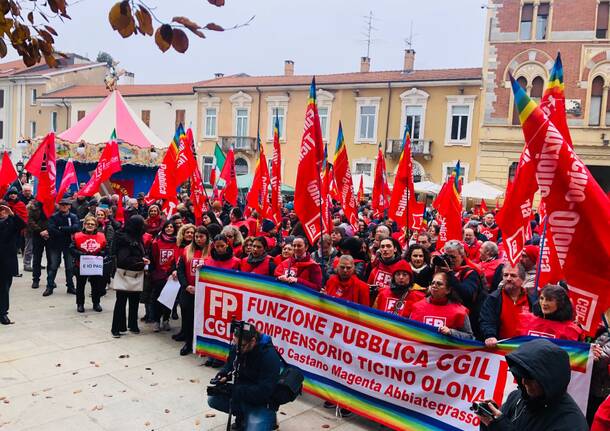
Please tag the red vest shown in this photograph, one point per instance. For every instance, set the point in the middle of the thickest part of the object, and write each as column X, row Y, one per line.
column 90, row 243
column 489, row 269
column 450, row 315
column 386, row 301
column 354, row 289
column 190, row 265
column 472, row 251
column 262, row 268
column 381, row 275
column 490, row 232
column 232, row 263
column 511, row 313
column 164, row 255
column 538, row 327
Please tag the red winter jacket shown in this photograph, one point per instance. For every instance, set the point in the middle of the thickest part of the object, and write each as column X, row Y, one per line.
column 472, row 251
column 354, row 289
column 164, row 255
column 381, row 275
column 539, row 327
column 307, row 271
column 263, row 268
column 451, row 314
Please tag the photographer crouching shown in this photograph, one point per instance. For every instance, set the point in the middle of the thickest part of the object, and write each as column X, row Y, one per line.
column 247, row 383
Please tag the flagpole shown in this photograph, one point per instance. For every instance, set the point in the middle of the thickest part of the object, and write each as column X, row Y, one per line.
column 539, row 263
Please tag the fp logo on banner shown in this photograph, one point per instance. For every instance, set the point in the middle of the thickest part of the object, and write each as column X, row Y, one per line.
column 222, row 306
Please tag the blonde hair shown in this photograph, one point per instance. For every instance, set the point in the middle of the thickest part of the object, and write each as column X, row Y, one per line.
column 90, row 218
column 183, row 228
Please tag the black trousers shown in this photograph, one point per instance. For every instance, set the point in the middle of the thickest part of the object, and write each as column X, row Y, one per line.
column 120, row 322
column 187, row 307
column 97, row 283
column 5, row 286
column 160, row 311
column 39, row 245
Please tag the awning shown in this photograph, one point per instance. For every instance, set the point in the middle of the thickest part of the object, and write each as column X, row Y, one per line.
column 367, row 182
column 480, row 190
column 244, row 182
column 427, row 187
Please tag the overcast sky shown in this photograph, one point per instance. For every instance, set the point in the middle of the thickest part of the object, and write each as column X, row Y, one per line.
column 321, row 36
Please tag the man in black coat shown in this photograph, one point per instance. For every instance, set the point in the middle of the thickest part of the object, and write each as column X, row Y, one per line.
column 259, row 370
column 37, row 227
column 60, row 228
column 542, row 371
column 10, row 228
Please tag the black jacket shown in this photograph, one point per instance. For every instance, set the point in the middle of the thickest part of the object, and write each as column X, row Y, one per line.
column 61, row 227
column 258, row 373
column 549, row 365
column 489, row 318
column 10, row 229
column 37, row 220
column 129, row 251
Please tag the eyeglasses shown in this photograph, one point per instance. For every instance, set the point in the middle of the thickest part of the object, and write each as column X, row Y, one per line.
column 437, row 283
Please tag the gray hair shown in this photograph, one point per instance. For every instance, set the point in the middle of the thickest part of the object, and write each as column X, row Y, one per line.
column 382, row 227
column 491, row 248
column 238, row 238
column 454, row 244
column 520, row 270
column 346, row 257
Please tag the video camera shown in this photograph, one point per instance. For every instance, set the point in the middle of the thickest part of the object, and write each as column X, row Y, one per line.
column 219, row 388
column 482, row 409
column 442, row 260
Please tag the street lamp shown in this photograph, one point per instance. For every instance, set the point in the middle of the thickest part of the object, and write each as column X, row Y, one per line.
column 19, row 167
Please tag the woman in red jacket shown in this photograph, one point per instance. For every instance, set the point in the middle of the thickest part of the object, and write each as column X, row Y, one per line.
column 89, row 242
column 258, row 262
column 300, row 268
column 155, row 220
column 383, row 267
column 163, row 257
column 443, row 310
column 552, row 317
column 287, row 251
column 221, row 254
column 402, row 294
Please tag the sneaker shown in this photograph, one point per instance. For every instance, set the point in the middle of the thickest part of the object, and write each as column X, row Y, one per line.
column 165, row 326
column 157, row 327
column 134, row 330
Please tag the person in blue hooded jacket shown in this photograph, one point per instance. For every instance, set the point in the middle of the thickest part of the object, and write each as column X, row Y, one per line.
column 541, row 402
column 259, row 370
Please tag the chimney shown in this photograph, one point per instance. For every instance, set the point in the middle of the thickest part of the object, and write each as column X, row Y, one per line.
column 365, row 64
column 409, row 60
column 218, row 75
column 288, row 67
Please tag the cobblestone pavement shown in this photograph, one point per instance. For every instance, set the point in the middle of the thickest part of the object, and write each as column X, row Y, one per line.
column 62, row 370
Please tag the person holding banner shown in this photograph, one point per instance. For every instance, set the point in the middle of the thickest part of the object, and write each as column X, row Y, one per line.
column 221, row 253
column 346, row 285
column 541, row 402
column 300, row 268
column 258, row 261
column 442, row 308
column 88, row 249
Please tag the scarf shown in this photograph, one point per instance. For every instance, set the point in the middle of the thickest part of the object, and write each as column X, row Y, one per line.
column 255, row 261
column 222, row 257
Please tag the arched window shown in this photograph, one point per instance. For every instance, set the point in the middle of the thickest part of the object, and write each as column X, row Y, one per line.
column 523, row 83
column 595, row 106
column 537, row 89
column 241, row 166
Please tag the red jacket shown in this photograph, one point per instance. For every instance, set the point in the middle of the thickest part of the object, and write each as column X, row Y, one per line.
column 539, row 327
column 263, row 268
column 232, row 263
column 490, row 232
column 354, row 289
column 386, row 301
column 601, row 421
column 307, row 271
column 489, row 269
column 451, row 315
column 472, row 251
column 381, row 275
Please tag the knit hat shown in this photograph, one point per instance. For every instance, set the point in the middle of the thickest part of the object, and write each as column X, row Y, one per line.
column 402, row 265
column 532, row 252
column 267, row 225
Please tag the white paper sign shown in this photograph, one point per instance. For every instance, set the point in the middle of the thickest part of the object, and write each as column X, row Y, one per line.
column 169, row 293
column 91, row 265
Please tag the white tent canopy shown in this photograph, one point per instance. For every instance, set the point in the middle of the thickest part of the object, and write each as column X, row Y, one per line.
column 480, row 190
column 367, row 182
column 427, row 187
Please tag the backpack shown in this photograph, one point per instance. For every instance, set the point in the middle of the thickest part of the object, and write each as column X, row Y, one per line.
column 289, row 385
column 482, row 286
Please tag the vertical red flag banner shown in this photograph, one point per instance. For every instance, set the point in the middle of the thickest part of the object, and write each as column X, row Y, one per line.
column 229, row 193
column 276, row 175
column 361, row 189
column 403, row 193
column 164, row 184
column 8, row 174
column 109, row 163
column 327, row 204
column 42, row 165
column 258, row 195
column 483, row 207
column 307, row 196
column 198, row 196
column 343, row 180
column 553, row 102
column 186, row 163
column 449, row 206
column 577, row 209
column 380, row 186
column 67, row 179
column 120, row 210
column 550, row 267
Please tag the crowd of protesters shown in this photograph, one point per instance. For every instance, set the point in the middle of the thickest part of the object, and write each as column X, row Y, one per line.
column 466, row 289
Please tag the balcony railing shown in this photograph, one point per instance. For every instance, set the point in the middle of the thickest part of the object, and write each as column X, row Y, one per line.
column 239, row 143
column 419, row 147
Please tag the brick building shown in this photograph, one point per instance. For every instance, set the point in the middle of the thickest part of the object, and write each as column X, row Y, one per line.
column 523, row 37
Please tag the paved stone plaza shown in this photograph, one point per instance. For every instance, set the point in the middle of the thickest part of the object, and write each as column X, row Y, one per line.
column 61, row 370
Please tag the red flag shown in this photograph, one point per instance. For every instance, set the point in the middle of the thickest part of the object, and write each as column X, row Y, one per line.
column 228, row 174
column 380, row 187
column 553, row 102
column 186, row 163
column 276, row 176
column 164, row 185
column 8, row 174
column 327, row 203
column 417, row 215
column 120, row 211
column 198, row 196
column 109, row 163
column 550, row 267
column 42, row 165
column 258, row 195
column 361, row 189
column 403, row 193
column 307, row 196
column 483, row 207
column 449, row 207
column 67, row 179
column 343, row 180
column 577, row 209
column 169, row 207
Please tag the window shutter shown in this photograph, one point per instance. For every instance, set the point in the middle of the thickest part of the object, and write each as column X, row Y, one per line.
column 543, row 9
column 527, row 13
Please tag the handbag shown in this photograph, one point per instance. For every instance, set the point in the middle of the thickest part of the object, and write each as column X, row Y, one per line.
column 129, row 281
column 289, row 385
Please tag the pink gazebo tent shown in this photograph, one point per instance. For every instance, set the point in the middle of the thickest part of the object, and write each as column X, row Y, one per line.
column 112, row 113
